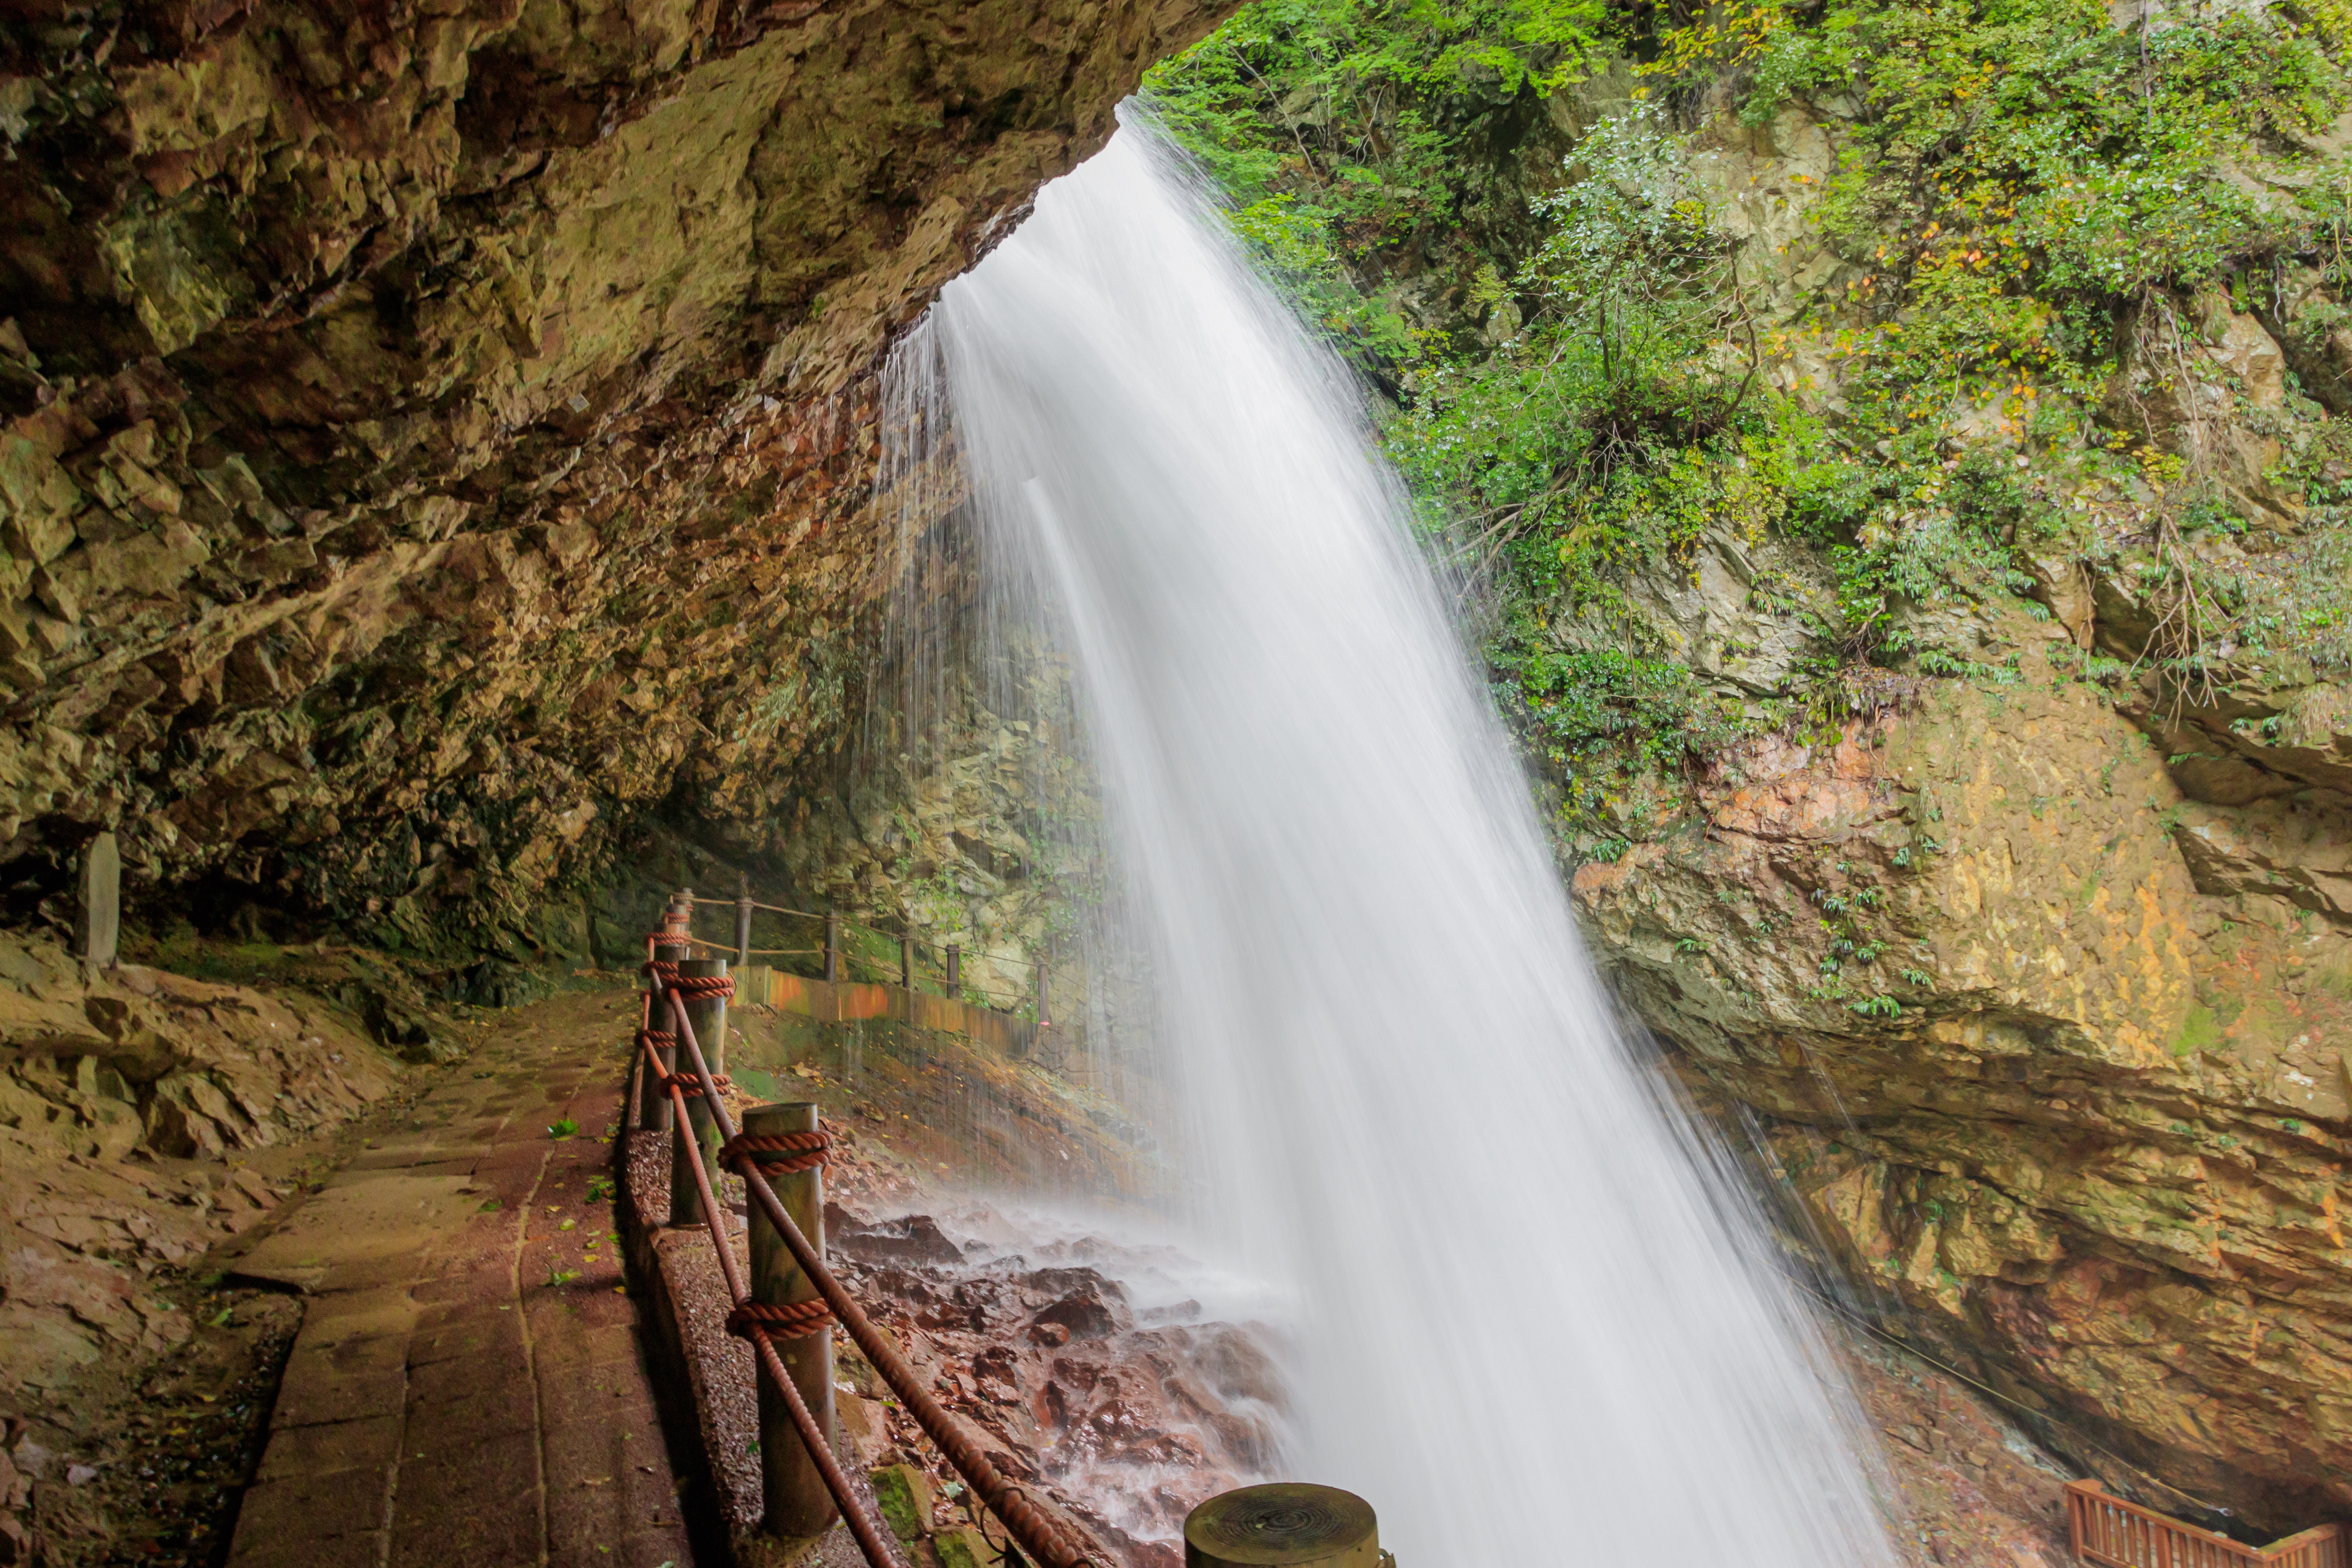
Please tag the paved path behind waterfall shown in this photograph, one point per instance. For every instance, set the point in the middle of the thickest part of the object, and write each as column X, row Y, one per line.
column 470, row 1385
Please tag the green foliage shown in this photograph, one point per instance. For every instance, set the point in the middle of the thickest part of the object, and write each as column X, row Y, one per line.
column 2297, row 603
column 1595, row 436
column 1928, row 551
column 1342, row 130
column 1582, row 701
column 2018, row 166
column 1575, row 367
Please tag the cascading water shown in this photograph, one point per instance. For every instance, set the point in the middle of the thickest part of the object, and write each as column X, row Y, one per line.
column 1530, row 1323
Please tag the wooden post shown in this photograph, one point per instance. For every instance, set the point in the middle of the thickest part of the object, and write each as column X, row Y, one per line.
column 1292, row 1524
column 98, row 902
column 699, row 1140
column 744, row 927
column 656, row 1117
column 797, row 1502
column 907, row 961
column 955, row 969
column 832, row 946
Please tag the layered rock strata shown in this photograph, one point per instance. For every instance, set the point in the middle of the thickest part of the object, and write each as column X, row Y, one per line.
column 2050, row 1048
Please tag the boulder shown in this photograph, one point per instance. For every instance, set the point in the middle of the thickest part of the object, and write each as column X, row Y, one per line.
column 914, row 1241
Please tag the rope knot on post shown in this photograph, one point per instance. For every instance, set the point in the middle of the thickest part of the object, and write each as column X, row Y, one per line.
column 796, row 1321
column 664, row 971
column 660, row 1039
column 776, row 1154
column 698, row 990
column 702, row 987
column 692, row 1083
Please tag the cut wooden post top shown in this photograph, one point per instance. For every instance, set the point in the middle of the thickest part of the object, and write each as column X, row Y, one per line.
column 1288, row 1524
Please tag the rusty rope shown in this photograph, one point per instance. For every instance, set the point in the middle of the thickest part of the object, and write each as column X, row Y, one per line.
column 778, row 1154
column 703, row 987
column 868, row 1535
column 691, row 1083
column 1040, row 1535
column 797, row 1322
column 660, row 1039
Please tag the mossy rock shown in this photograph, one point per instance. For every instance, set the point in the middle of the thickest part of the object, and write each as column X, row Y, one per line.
column 904, row 1494
column 963, row 1549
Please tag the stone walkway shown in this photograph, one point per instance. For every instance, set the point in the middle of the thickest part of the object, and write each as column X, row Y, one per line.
column 470, row 1385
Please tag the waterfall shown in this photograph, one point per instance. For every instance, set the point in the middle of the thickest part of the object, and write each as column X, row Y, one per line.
column 1534, row 1320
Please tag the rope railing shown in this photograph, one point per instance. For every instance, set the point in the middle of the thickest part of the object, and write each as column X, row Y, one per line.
column 841, row 961
column 1003, row 998
column 746, row 902
column 763, row 1332
column 729, row 947
column 1033, row 1530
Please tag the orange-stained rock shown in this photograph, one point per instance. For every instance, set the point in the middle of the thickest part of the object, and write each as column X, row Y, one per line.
column 2050, row 1053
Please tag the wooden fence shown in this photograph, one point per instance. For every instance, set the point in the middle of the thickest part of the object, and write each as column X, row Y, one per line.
column 2118, row 1534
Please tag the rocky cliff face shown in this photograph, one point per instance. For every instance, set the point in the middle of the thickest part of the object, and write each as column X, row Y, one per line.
column 439, row 436
column 2033, row 962
column 2091, row 1132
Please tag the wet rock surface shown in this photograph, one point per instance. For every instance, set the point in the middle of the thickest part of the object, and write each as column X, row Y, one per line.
column 1026, row 1325
column 1970, row 1490
column 1127, row 1427
column 1127, row 1423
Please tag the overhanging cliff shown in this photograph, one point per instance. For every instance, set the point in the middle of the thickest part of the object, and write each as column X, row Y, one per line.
column 439, row 435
